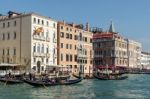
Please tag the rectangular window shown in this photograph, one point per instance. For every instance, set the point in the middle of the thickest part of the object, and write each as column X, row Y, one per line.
column 61, row 57
column 15, row 23
column 47, row 60
column 8, row 24
column 34, row 20
column 3, row 25
column 47, row 50
column 34, row 48
column 38, row 21
column 47, row 23
column 85, row 52
column 67, row 57
column 66, row 46
column 70, row 36
column 91, row 53
column 14, row 51
column 75, row 47
column 90, row 40
column 75, row 37
column 75, row 58
column 42, row 22
column 14, row 35
column 67, row 35
column 61, row 45
column 7, row 51
column 85, row 39
column 71, row 58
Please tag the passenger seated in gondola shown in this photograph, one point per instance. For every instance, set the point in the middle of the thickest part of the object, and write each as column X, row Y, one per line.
column 53, row 80
column 9, row 75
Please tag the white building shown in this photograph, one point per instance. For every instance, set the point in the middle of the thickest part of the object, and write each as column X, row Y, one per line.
column 28, row 39
column 134, row 54
column 145, row 60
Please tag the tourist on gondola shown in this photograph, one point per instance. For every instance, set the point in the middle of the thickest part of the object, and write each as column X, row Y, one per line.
column 9, row 75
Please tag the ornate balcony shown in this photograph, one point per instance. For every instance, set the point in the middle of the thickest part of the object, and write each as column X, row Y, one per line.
column 37, row 37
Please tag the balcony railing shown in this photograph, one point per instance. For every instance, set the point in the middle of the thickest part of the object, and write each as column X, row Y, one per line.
column 37, row 37
column 39, row 54
column 81, row 56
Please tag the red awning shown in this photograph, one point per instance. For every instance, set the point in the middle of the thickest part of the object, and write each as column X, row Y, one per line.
column 104, row 67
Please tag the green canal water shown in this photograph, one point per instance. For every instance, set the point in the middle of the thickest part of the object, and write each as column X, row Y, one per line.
column 135, row 87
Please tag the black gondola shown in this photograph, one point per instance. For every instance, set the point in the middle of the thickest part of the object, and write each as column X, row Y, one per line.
column 11, row 80
column 111, row 77
column 39, row 83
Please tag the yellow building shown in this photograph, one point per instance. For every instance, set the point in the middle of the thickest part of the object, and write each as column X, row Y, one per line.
column 74, row 43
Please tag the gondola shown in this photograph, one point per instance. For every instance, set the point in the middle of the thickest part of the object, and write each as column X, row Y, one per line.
column 110, row 77
column 11, row 80
column 76, row 76
column 38, row 83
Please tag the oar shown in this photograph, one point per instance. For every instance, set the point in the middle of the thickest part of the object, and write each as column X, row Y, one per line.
column 44, row 86
column 6, row 82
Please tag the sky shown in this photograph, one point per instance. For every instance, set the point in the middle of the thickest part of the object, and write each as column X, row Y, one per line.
column 131, row 18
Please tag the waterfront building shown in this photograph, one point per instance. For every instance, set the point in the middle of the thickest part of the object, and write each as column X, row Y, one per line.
column 74, row 44
column 134, row 54
column 28, row 39
column 145, row 60
column 110, row 49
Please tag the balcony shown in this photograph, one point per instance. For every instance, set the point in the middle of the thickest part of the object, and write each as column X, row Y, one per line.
column 37, row 37
column 81, row 56
column 39, row 54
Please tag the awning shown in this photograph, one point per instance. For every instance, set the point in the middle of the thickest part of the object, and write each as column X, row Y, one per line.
column 9, row 65
column 104, row 67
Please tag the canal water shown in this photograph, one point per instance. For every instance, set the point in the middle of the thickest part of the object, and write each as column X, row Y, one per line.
column 135, row 87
